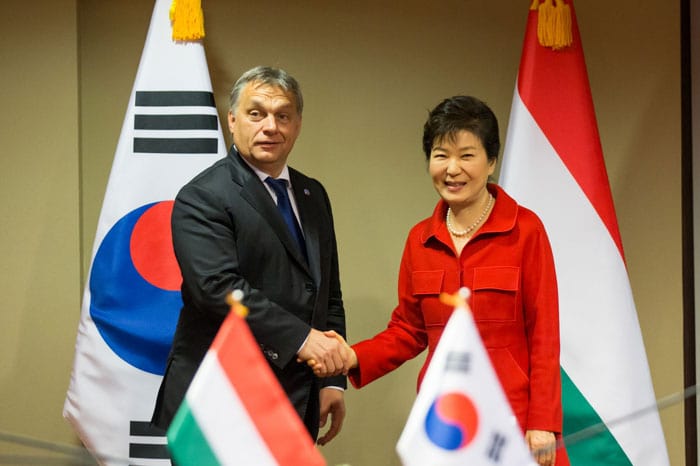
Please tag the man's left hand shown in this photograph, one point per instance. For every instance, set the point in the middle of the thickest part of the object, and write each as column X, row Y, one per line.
column 332, row 402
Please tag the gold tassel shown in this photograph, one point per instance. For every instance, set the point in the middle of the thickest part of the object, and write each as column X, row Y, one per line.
column 545, row 23
column 553, row 23
column 187, row 19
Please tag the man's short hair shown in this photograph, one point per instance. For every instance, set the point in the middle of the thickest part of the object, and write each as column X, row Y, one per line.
column 269, row 76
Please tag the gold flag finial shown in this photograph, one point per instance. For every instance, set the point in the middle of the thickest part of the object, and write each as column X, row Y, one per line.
column 458, row 299
column 553, row 23
column 187, row 19
column 235, row 300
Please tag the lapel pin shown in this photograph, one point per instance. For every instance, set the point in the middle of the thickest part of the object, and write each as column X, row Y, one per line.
column 307, row 192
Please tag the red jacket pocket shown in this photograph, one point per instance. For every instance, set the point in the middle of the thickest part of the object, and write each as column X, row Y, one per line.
column 495, row 292
column 426, row 285
column 427, row 282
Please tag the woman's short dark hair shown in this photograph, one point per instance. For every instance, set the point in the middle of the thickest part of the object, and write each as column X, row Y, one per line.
column 459, row 113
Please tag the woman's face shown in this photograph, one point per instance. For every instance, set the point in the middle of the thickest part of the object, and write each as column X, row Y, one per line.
column 460, row 169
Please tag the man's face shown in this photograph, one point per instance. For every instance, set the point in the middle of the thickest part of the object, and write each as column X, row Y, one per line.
column 265, row 125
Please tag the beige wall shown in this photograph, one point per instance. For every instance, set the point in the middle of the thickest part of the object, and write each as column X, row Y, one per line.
column 39, row 230
column 370, row 71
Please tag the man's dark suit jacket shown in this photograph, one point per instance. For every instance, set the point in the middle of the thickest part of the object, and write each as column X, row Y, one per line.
column 228, row 234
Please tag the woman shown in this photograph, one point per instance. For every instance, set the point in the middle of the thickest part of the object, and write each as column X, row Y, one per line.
column 478, row 237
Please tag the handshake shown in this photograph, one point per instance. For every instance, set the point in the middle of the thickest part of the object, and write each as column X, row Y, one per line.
column 327, row 353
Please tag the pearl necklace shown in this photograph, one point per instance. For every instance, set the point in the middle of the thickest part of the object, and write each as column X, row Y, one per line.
column 459, row 233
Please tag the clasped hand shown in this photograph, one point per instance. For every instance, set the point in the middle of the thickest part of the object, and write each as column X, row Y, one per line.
column 327, row 353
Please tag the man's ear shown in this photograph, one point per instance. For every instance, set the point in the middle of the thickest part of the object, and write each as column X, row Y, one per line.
column 231, row 120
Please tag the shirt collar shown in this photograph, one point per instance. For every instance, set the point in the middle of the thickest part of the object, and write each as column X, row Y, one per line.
column 284, row 175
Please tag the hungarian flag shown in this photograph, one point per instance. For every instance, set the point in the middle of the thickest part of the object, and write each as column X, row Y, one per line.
column 553, row 164
column 236, row 412
column 461, row 415
column 132, row 296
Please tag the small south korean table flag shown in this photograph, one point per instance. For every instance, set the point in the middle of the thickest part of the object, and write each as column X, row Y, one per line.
column 461, row 415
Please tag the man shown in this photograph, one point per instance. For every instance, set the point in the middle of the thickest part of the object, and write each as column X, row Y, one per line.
column 229, row 233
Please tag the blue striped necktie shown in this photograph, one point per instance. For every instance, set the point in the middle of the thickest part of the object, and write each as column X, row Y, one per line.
column 285, row 208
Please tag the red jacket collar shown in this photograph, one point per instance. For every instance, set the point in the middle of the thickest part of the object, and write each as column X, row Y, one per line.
column 502, row 218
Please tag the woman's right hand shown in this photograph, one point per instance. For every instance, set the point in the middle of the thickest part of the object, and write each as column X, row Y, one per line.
column 349, row 358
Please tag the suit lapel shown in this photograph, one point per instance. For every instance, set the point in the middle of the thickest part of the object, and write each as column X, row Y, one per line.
column 303, row 194
column 253, row 192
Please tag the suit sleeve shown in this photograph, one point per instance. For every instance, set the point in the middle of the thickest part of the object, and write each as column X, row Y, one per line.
column 205, row 246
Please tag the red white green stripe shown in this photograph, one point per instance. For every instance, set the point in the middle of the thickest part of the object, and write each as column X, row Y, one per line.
column 553, row 163
column 235, row 411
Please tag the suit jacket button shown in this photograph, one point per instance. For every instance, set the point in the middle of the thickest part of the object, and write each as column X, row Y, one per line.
column 274, row 355
column 310, row 287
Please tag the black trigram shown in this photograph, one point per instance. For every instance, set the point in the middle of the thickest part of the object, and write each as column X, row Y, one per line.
column 458, row 361
column 498, row 442
column 147, row 445
column 171, row 131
